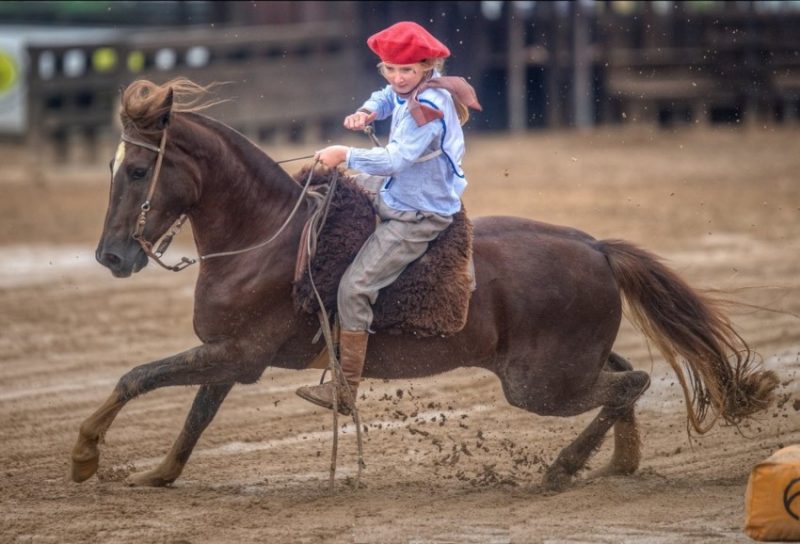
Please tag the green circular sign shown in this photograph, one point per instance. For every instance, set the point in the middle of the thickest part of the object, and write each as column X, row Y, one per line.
column 104, row 59
column 135, row 61
column 8, row 72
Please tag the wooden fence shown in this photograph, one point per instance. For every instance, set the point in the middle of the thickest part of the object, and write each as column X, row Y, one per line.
column 542, row 64
column 288, row 82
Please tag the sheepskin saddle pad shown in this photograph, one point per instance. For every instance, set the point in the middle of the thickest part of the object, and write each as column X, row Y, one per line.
column 431, row 296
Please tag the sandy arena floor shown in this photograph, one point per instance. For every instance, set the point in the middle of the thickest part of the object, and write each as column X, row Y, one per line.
column 448, row 460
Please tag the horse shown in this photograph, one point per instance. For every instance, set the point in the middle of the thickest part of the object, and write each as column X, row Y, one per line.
column 543, row 319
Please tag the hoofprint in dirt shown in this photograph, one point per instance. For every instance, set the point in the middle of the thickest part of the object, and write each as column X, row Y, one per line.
column 447, row 459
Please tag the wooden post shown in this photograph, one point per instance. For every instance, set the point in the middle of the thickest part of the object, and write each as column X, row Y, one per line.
column 554, row 47
column 516, row 68
column 752, row 113
column 582, row 92
column 34, row 136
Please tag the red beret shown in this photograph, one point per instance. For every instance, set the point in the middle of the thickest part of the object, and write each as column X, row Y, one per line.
column 406, row 43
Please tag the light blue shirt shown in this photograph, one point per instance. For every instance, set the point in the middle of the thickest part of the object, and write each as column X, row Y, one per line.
column 432, row 185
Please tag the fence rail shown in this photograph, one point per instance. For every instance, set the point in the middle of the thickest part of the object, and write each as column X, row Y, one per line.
column 287, row 83
column 540, row 64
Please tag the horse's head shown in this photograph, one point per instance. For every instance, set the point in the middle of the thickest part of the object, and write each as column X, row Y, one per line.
column 152, row 181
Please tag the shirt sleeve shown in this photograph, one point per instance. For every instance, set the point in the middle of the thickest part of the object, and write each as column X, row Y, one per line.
column 381, row 102
column 407, row 145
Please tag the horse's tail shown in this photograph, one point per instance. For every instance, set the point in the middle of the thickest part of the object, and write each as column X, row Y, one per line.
column 722, row 370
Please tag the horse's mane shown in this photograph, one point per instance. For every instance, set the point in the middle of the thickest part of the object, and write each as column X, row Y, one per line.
column 144, row 102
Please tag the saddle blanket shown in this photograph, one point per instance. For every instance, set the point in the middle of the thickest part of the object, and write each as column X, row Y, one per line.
column 431, row 296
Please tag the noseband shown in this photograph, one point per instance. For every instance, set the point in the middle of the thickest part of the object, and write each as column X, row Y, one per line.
column 138, row 232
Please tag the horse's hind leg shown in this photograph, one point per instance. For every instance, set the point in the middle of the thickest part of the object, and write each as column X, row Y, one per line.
column 207, row 364
column 616, row 392
column 205, row 406
column 574, row 457
column 627, row 445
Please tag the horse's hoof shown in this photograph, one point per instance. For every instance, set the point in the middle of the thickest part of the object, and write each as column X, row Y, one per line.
column 556, row 480
column 84, row 464
column 148, row 478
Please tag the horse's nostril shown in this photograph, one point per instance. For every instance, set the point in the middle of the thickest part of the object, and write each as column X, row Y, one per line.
column 109, row 259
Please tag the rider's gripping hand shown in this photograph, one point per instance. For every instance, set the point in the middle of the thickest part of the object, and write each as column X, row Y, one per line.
column 359, row 120
column 332, row 156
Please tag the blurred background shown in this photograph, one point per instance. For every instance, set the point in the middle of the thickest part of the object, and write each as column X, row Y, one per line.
column 295, row 68
column 674, row 125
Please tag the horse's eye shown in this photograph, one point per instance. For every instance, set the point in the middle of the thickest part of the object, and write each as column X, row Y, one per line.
column 138, row 173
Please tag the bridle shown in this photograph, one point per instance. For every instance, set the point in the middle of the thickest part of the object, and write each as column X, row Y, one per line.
column 147, row 247
column 138, row 231
column 313, row 227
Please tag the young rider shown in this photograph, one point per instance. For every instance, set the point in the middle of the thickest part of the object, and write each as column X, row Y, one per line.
column 422, row 182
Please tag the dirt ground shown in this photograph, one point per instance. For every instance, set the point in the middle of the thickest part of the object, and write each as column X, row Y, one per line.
column 448, row 460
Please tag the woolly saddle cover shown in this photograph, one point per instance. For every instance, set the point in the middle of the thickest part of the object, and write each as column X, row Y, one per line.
column 431, row 296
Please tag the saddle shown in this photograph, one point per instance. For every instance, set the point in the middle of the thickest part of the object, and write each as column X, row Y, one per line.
column 431, row 296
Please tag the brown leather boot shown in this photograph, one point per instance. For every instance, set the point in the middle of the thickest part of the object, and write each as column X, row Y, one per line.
column 352, row 351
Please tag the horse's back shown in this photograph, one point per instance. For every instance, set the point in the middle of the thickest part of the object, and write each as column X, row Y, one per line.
column 499, row 224
column 514, row 246
column 545, row 277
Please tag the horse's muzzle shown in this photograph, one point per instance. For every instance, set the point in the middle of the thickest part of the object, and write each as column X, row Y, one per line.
column 122, row 263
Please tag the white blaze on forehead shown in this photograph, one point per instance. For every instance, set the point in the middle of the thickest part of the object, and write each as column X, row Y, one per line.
column 118, row 158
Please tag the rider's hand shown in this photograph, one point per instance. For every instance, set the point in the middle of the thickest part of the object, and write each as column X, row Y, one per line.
column 332, row 156
column 359, row 120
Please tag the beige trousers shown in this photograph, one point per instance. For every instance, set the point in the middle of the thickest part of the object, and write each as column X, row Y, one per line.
column 400, row 238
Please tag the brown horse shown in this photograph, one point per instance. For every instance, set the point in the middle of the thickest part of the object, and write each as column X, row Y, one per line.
column 543, row 318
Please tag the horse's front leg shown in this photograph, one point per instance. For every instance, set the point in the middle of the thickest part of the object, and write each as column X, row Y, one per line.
column 205, row 406
column 212, row 364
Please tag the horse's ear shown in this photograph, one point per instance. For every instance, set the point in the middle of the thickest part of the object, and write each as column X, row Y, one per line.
column 166, row 106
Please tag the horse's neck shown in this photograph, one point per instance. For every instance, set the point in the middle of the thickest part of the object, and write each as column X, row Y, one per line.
column 244, row 196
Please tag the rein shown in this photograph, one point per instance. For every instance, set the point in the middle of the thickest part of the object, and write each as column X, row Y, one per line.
column 315, row 224
column 185, row 262
column 279, row 231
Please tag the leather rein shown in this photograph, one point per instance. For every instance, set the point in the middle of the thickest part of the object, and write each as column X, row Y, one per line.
column 308, row 244
column 185, row 262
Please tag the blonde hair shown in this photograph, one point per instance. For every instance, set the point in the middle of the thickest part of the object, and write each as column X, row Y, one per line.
column 437, row 64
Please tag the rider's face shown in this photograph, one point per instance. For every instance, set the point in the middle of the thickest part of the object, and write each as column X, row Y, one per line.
column 402, row 77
